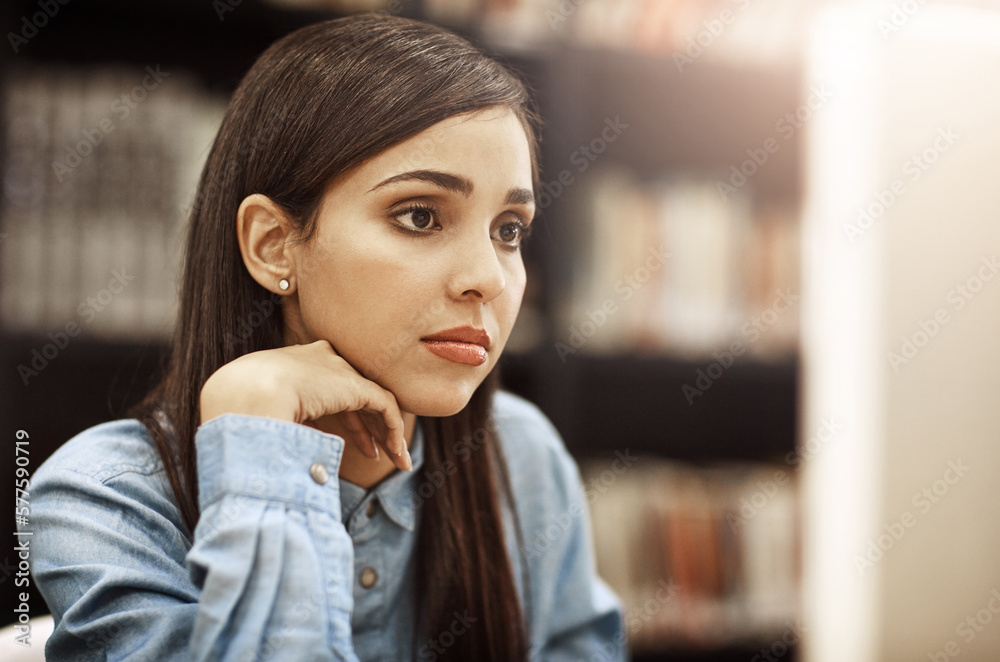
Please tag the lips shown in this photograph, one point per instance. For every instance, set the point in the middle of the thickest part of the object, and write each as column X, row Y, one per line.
column 464, row 344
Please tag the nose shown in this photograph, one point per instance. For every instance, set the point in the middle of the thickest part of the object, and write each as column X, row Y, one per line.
column 476, row 271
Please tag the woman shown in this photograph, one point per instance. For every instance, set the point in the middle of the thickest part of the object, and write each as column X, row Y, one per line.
column 325, row 472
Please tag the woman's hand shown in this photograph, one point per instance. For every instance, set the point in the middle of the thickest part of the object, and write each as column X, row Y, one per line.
column 303, row 383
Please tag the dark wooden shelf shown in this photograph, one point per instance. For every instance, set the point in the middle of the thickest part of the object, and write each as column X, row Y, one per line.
column 599, row 404
column 726, row 654
column 605, row 404
column 181, row 35
column 88, row 382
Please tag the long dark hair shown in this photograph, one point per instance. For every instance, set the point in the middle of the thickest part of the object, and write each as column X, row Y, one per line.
column 317, row 103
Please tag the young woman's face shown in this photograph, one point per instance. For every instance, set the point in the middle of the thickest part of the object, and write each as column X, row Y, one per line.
column 419, row 240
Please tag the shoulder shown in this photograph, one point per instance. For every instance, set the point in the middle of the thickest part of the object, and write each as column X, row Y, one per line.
column 103, row 453
column 111, row 471
column 536, row 455
column 523, row 428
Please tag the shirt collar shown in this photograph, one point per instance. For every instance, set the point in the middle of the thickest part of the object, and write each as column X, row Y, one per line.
column 395, row 492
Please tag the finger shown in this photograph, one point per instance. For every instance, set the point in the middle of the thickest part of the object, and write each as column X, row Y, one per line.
column 371, row 423
column 360, row 435
column 376, row 424
column 401, row 462
column 383, row 402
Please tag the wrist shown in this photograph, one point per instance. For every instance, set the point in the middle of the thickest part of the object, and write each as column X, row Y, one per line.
column 226, row 392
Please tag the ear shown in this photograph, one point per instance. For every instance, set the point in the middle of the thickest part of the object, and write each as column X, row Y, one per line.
column 264, row 233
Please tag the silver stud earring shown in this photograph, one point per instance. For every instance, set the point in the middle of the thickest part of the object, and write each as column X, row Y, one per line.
column 284, row 284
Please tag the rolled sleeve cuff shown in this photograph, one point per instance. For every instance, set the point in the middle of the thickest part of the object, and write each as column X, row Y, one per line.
column 266, row 458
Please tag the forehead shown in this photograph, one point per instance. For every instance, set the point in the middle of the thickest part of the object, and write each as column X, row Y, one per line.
column 491, row 143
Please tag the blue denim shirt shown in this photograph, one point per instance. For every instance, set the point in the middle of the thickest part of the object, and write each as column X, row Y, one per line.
column 283, row 564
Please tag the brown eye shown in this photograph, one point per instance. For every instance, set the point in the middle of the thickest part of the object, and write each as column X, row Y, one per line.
column 421, row 218
column 512, row 234
column 509, row 232
column 416, row 218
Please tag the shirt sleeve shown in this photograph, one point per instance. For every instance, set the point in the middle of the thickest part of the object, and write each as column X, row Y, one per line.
column 267, row 576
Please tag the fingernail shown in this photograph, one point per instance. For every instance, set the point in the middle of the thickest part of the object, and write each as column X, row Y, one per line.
column 409, row 461
column 374, row 445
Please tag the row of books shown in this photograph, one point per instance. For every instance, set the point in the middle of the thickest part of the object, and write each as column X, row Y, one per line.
column 700, row 556
column 101, row 170
column 101, row 167
column 673, row 266
column 762, row 31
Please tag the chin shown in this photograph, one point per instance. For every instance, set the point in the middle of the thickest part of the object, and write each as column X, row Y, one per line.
column 438, row 402
column 418, row 394
column 424, row 392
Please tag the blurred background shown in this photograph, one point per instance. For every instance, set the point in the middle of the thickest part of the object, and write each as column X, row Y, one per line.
column 759, row 308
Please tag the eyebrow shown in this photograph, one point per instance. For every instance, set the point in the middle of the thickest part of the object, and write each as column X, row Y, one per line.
column 444, row 180
column 454, row 183
column 519, row 196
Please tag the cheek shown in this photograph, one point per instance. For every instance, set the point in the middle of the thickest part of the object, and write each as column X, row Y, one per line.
column 512, row 296
column 349, row 289
column 361, row 296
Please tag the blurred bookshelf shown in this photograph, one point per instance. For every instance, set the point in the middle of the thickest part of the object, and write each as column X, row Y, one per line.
column 660, row 318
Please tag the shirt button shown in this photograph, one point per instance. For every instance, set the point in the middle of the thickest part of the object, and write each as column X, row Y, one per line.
column 369, row 577
column 370, row 510
column 319, row 473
